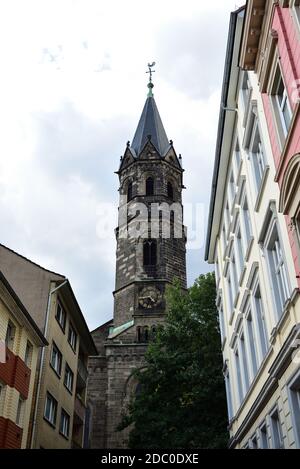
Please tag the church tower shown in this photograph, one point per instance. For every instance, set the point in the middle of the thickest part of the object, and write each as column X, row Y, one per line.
column 151, row 251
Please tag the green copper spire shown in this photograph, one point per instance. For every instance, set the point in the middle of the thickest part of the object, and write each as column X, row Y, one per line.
column 150, row 86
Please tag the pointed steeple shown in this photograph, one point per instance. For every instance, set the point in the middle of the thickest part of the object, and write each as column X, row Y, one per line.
column 150, row 126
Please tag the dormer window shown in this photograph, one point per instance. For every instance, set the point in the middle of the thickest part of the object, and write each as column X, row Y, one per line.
column 150, row 186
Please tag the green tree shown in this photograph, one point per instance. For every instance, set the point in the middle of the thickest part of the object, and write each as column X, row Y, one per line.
column 181, row 400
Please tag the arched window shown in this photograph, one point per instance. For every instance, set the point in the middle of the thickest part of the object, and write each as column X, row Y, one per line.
column 129, row 192
column 138, row 334
column 150, row 186
column 150, row 252
column 146, row 334
column 170, row 191
column 153, row 332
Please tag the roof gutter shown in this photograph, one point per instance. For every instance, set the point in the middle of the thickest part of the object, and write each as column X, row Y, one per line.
column 221, row 125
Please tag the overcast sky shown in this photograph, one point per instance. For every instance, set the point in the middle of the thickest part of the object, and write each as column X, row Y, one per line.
column 73, row 86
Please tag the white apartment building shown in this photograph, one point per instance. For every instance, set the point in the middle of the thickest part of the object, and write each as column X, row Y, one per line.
column 257, row 293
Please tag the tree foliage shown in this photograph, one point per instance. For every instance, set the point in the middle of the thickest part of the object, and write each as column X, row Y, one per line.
column 181, row 400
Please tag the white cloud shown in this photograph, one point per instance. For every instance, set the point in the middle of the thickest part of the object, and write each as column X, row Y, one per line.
column 73, row 87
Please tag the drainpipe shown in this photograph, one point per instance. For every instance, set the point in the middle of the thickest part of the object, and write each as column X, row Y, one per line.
column 42, row 361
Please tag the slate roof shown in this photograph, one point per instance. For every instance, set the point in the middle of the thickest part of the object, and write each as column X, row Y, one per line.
column 150, row 123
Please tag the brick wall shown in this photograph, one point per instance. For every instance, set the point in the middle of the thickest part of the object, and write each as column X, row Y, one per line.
column 10, row 434
column 15, row 373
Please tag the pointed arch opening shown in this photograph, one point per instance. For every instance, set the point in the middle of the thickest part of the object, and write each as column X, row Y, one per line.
column 150, row 252
column 146, row 334
column 138, row 335
column 149, row 186
column 129, row 192
column 170, row 190
column 153, row 332
column 290, row 186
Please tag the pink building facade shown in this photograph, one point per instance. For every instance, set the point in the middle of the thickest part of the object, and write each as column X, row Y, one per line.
column 271, row 48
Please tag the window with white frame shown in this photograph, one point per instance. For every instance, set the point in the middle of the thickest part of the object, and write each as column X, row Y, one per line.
column 28, row 354
column 217, row 271
column 10, row 335
column 253, row 442
column 20, row 412
column 276, row 431
column 260, row 319
column 56, row 359
column 233, row 274
column 228, row 393
column 227, row 218
column 281, row 103
column 238, row 242
column 238, row 374
column 222, row 323
column 295, row 4
column 257, row 157
column 245, row 371
column 251, row 340
column 263, row 437
column 229, row 290
column 61, row 316
column 246, row 221
column 245, row 90
column 237, row 159
column 64, row 426
column 231, row 189
column 72, row 337
column 2, row 397
column 294, row 400
column 50, row 409
column 224, row 238
column 277, row 267
column 69, row 378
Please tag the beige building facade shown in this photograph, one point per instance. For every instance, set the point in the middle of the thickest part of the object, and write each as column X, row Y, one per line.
column 258, row 295
column 59, row 414
column 20, row 343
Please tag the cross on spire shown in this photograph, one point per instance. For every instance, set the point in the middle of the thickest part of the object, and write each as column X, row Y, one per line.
column 150, row 84
column 150, row 71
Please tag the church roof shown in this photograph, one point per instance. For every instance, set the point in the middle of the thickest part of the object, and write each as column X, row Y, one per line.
column 150, row 124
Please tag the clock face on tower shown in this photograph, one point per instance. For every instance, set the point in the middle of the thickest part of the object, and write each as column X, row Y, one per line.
column 150, row 297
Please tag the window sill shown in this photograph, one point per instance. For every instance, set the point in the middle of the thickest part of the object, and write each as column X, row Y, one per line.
column 63, row 329
column 56, row 372
column 72, row 348
column 49, row 423
column 69, row 390
column 261, row 188
column 64, row 436
column 285, row 314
